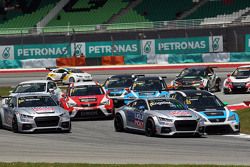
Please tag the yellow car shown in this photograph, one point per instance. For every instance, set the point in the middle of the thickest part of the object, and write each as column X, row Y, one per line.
column 68, row 75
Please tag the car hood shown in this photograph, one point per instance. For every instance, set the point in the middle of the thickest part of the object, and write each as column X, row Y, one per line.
column 40, row 110
column 87, row 99
column 147, row 94
column 189, row 79
column 174, row 114
column 239, row 79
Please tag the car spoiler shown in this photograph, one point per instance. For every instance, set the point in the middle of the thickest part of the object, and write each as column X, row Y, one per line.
column 139, row 75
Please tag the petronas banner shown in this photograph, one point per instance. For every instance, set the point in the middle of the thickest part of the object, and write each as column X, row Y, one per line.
column 209, row 44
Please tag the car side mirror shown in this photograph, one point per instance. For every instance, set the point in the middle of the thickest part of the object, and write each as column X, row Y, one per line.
column 51, row 90
column 10, row 91
column 210, row 74
column 228, row 75
column 127, row 89
column 177, row 76
column 225, row 103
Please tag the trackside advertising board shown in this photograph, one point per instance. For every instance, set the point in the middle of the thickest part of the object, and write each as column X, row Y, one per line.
column 109, row 48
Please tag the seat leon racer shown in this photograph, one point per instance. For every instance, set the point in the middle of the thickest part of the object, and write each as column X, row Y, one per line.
column 87, row 100
column 219, row 119
column 158, row 116
column 238, row 81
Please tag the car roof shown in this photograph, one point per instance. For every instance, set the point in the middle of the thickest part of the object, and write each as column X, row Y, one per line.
column 122, row 75
column 245, row 66
column 31, row 94
column 194, row 92
column 35, row 81
column 84, row 83
column 150, row 78
column 198, row 67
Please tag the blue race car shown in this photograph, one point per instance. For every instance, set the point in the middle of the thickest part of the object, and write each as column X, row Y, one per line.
column 146, row 87
column 117, row 86
column 219, row 119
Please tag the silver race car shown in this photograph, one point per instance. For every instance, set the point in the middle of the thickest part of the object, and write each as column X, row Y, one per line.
column 33, row 112
column 158, row 116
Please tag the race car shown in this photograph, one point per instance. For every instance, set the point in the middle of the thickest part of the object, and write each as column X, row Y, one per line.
column 145, row 87
column 238, row 81
column 68, row 75
column 158, row 116
column 87, row 100
column 200, row 78
column 117, row 86
column 219, row 119
column 41, row 86
column 33, row 112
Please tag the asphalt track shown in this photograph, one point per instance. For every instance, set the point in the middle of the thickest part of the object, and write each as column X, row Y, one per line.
column 97, row 142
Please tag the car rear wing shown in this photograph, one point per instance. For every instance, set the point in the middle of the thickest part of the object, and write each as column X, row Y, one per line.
column 138, row 75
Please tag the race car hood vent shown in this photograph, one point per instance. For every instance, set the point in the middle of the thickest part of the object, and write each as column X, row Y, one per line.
column 214, row 113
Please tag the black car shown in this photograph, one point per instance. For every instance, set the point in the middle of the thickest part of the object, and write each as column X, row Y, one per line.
column 117, row 86
column 200, row 78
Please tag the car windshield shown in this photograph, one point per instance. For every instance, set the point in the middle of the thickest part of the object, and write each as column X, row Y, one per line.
column 202, row 102
column 119, row 82
column 192, row 72
column 242, row 72
column 30, row 87
column 76, row 71
column 164, row 104
column 86, row 90
column 148, row 85
column 36, row 101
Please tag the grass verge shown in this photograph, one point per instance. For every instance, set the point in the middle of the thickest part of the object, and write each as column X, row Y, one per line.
column 103, row 165
column 244, row 120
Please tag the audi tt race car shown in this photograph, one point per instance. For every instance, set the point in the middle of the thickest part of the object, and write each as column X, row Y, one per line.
column 87, row 100
column 218, row 119
column 38, row 86
column 238, row 81
column 33, row 112
column 200, row 78
column 117, row 86
column 146, row 87
column 68, row 75
column 158, row 116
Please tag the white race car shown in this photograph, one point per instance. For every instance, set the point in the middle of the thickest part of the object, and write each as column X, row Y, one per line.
column 238, row 81
column 68, row 75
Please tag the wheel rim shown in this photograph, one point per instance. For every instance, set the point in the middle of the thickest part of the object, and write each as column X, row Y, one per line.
column 118, row 123
column 14, row 125
column 71, row 80
column 150, row 128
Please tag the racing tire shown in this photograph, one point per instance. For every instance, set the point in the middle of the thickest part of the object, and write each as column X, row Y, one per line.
column 1, row 123
column 217, row 86
column 15, row 125
column 71, row 80
column 150, row 128
column 118, row 123
column 69, row 130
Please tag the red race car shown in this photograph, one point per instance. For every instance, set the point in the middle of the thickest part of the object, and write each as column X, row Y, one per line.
column 85, row 100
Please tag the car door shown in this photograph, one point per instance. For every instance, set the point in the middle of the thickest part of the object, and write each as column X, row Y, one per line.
column 211, row 77
column 139, row 109
column 9, row 111
column 60, row 73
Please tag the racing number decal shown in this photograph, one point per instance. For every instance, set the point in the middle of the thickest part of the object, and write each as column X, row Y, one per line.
column 139, row 120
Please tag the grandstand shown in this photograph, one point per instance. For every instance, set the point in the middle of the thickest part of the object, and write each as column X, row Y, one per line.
column 92, row 15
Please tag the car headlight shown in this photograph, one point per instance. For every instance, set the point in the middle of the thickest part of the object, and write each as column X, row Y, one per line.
column 164, row 120
column 70, row 104
column 202, row 121
column 231, row 118
column 26, row 118
column 105, row 102
column 65, row 114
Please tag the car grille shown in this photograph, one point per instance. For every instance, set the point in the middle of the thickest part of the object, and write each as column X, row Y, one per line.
column 218, row 129
column 47, row 121
column 217, row 120
column 185, row 125
column 214, row 113
column 89, row 105
column 89, row 114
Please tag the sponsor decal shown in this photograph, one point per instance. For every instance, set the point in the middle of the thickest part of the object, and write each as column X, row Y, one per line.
column 180, row 113
column 43, row 109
